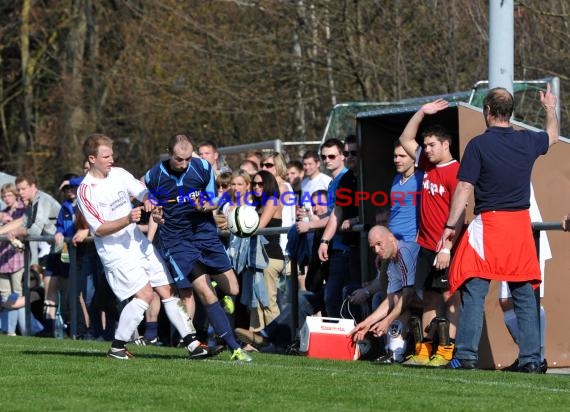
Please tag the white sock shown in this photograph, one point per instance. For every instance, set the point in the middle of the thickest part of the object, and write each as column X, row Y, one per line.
column 511, row 324
column 131, row 316
column 542, row 332
column 178, row 317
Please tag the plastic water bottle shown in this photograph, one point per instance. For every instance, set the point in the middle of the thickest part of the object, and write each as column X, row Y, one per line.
column 59, row 327
column 304, row 338
column 396, row 343
column 307, row 213
column 64, row 253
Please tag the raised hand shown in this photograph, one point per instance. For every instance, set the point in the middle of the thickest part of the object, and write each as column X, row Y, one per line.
column 435, row 106
column 547, row 99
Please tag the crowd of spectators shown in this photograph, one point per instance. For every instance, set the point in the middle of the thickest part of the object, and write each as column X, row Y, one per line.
column 413, row 242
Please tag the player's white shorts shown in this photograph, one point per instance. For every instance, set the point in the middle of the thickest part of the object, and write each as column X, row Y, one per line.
column 137, row 269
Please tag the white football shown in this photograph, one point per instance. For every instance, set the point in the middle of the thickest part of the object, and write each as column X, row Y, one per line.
column 243, row 221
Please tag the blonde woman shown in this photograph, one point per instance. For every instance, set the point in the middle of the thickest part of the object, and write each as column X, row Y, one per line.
column 240, row 188
column 276, row 165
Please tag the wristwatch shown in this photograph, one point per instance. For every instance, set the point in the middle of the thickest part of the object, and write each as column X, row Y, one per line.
column 325, row 242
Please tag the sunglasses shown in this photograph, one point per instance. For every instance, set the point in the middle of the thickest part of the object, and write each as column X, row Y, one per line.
column 267, row 165
column 224, row 186
column 330, row 157
column 351, row 153
column 254, row 183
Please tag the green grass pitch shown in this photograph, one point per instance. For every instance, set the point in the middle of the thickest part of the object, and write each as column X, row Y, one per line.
column 55, row 375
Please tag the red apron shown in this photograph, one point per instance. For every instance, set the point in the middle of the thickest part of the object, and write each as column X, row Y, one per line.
column 496, row 246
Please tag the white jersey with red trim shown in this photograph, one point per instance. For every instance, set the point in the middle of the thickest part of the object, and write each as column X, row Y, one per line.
column 108, row 199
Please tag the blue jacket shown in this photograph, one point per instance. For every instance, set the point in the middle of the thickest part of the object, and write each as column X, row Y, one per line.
column 65, row 222
column 300, row 246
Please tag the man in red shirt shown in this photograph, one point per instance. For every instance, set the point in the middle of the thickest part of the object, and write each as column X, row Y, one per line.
column 438, row 186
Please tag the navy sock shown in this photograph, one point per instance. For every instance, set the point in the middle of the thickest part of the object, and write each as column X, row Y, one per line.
column 219, row 321
column 151, row 330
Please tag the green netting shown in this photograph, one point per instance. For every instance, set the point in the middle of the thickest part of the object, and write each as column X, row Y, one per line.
column 528, row 109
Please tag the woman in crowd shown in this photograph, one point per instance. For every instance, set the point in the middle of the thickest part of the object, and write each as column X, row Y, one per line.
column 266, row 198
column 11, row 261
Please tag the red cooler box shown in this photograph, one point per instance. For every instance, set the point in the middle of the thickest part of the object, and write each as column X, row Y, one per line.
column 328, row 340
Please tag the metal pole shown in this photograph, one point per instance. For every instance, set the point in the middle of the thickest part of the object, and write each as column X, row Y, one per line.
column 555, row 84
column 536, row 235
column 501, row 39
column 294, row 297
column 73, row 293
column 28, row 308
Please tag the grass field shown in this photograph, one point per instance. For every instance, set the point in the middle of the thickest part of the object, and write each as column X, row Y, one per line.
column 48, row 374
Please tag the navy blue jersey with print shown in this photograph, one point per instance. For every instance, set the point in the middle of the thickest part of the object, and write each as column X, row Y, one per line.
column 178, row 194
column 187, row 236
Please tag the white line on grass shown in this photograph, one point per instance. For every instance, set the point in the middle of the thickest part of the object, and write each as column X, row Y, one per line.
column 439, row 377
column 332, row 369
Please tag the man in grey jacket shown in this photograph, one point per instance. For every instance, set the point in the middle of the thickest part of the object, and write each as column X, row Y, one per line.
column 39, row 220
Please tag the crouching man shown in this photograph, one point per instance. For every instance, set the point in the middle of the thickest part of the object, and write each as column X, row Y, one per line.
column 400, row 293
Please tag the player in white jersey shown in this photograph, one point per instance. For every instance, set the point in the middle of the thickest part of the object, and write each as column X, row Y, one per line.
column 132, row 265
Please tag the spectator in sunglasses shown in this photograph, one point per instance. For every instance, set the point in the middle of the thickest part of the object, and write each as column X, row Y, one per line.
column 267, row 198
column 340, row 249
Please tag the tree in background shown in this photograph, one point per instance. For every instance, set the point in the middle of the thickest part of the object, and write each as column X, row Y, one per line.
column 235, row 71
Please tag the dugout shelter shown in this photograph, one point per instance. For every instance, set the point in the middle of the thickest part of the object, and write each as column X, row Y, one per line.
column 376, row 133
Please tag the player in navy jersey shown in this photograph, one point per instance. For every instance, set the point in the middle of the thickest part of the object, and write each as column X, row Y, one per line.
column 183, row 189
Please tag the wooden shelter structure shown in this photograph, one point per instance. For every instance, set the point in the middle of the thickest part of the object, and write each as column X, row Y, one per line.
column 377, row 131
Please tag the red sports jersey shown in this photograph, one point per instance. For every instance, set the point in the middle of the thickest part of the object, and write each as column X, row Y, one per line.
column 438, row 187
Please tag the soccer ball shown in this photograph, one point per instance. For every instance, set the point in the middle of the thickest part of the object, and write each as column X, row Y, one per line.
column 243, row 221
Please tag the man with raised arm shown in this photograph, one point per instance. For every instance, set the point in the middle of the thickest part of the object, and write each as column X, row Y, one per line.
column 438, row 186
column 499, row 244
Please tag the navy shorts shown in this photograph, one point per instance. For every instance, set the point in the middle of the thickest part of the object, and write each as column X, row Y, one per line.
column 183, row 255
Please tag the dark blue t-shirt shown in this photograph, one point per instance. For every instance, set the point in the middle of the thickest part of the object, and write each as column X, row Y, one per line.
column 499, row 164
column 178, row 194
